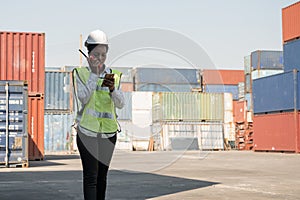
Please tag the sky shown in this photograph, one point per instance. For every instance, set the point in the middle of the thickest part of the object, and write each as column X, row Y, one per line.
column 226, row 30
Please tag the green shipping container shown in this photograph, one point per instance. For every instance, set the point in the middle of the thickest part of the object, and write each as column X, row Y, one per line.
column 187, row 106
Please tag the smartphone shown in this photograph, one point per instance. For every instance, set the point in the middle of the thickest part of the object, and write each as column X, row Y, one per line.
column 107, row 76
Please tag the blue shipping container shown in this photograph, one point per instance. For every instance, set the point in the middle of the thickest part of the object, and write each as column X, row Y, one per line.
column 291, row 53
column 153, row 87
column 165, row 75
column 17, row 123
column 58, row 130
column 58, row 91
column 233, row 89
column 276, row 93
column 126, row 112
column 267, row 60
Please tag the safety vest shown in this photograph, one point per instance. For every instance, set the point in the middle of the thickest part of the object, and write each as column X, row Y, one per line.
column 99, row 114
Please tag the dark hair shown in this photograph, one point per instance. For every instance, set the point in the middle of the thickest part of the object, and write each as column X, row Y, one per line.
column 90, row 47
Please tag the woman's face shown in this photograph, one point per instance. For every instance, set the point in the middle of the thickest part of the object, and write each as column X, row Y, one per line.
column 99, row 53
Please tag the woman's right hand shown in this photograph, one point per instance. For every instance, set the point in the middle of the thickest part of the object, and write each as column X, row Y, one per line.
column 94, row 64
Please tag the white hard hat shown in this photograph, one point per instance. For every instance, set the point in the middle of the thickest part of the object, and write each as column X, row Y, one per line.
column 96, row 37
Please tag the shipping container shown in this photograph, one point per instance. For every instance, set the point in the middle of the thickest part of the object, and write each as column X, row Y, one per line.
column 276, row 93
column 241, row 87
column 58, row 91
column 247, row 64
column 36, row 127
column 22, row 57
column 165, row 76
column 182, row 106
column 189, row 136
column 126, row 112
column 13, row 123
column 291, row 55
column 260, row 73
column 222, row 77
column 277, row 132
column 248, row 99
column 239, row 110
column 291, row 22
column 228, row 106
column 233, row 89
column 265, row 59
column 58, row 132
column 154, row 87
column 248, row 83
column 229, row 131
column 127, row 87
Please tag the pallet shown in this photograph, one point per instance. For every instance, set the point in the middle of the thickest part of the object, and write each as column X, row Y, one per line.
column 15, row 165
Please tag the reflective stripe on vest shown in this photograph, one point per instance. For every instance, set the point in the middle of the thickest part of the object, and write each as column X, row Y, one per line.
column 99, row 113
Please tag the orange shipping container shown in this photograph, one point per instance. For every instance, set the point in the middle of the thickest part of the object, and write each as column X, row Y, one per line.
column 291, row 22
column 36, row 127
column 222, row 77
column 22, row 57
column 277, row 132
column 239, row 111
column 127, row 87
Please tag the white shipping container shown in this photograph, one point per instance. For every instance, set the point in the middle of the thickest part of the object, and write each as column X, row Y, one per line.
column 229, row 131
column 228, row 105
column 141, row 100
column 228, row 116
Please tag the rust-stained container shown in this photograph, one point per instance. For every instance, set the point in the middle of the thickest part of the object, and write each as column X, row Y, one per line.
column 220, row 77
column 22, row 57
column 239, row 111
column 277, row 132
column 291, row 22
column 36, row 127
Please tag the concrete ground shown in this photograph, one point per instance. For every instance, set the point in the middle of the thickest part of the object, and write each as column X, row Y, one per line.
column 162, row 175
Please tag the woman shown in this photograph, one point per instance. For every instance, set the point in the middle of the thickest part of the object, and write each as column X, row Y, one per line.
column 97, row 89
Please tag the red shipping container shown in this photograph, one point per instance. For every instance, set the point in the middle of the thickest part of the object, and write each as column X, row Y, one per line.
column 277, row 132
column 222, row 77
column 36, row 127
column 239, row 111
column 22, row 57
column 291, row 22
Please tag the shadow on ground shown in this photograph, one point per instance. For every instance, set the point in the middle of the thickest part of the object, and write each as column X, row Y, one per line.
column 44, row 185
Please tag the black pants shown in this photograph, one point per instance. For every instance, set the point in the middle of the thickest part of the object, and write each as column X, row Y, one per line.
column 95, row 153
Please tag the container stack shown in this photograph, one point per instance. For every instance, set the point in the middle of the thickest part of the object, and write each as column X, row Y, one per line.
column 22, row 58
column 222, row 81
column 13, row 123
column 59, row 116
column 165, row 79
column 276, row 98
column 188, row 121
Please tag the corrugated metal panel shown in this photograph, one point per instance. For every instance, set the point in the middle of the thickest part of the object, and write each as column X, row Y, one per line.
column 233, row 89
column 248, row 83
column 291, row 22
column 260, row 73
column 190, row 136
column 247, row 64
column 58, row 132
column 22, row 57
column 239, row 110
column 222, row 77
column 248, row 99
column 241, row 87
column 276, row 93
column 126, row 112
column 36, row 127
column 188, row 106
column 291, row 55
column 165, row 76
column 267, row 59
column 277, row 132
column 228, row 102
column 58, row 92
column 165, row 87
column 229, row 131
column 13, row 96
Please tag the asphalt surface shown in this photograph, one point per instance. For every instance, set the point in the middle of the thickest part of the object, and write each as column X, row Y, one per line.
column 162, row 175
